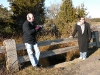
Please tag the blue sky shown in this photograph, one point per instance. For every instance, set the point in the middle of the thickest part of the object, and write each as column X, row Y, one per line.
column 93, row 6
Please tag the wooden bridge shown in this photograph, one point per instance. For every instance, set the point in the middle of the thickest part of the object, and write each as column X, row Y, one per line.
column 13, row 60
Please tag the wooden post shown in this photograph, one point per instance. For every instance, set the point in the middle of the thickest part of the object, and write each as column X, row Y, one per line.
column 96, row 39
column 11, row 55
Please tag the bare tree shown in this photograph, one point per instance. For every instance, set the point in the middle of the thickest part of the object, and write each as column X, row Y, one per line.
column 52, row 11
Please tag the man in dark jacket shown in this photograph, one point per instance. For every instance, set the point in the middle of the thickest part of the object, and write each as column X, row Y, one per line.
column 84, row 36
column 30, row 28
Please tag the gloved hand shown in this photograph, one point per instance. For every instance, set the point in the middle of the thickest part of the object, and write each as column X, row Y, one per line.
column 37, row 28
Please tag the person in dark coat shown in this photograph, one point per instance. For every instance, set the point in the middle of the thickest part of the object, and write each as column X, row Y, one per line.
column 84, row 36
column 30, row 29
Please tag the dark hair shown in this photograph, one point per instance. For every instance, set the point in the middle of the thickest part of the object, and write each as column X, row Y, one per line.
column 79, row 17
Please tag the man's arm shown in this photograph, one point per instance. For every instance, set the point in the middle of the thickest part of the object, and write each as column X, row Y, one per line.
column 75, row 30
column 28, row 29
column 89, row 32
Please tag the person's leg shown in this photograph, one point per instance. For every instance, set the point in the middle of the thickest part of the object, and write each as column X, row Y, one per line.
column 84, row 55
column 37, row 53
column 80, row 55
column 29, row 48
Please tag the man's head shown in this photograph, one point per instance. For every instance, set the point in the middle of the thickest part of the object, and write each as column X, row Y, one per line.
column 30, row 17
column 82, row 20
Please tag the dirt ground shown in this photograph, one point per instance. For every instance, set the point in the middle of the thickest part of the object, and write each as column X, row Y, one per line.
column 90, row 66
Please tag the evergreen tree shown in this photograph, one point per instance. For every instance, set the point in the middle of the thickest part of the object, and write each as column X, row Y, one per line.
column 66, row 11
column 5, row 20
column 67, row 15
column 81, row 10
column 20, row 8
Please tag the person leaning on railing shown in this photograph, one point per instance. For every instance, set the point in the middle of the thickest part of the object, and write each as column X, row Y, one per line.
column 30, row 29
column 84, row 36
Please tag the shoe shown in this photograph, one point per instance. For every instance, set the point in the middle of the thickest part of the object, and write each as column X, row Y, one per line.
column 80, row 57
column 39, row 65
column 84, row 58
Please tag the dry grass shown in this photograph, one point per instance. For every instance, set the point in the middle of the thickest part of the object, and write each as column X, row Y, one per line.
column 95, row 23
column 44, row 71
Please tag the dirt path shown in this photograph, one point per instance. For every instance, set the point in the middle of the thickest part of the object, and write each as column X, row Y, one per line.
column 90, row 66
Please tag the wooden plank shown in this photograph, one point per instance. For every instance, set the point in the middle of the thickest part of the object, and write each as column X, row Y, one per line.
column 93, row 36
column 92, row 44
column 51, row 42
column 57, row 41
column 20, row 47
column 23, row 59
column 42, row 43
column 48, row 42
column 49, row 53
column 58, row 51
column 45, row 43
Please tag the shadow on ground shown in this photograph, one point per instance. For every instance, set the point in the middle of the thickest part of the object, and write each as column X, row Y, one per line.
column 91, row 51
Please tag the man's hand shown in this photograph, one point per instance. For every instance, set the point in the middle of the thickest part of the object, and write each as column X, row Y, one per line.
column 37, row 28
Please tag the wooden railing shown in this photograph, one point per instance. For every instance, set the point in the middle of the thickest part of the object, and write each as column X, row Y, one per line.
column 11, row 48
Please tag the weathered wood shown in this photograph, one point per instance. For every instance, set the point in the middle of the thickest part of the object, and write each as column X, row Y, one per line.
column 53, row 52
column 48, row 42
column 44, row 43
column 92, row 44
column 49, row 53
column 96, row 39
column 23, row 59
column 20, row 47
column 57, row 41
column 11, row 54
column 58, row 51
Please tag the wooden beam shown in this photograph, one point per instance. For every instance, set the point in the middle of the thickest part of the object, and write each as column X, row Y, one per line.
column 20, row 47
column 48, row 42
column 92, row 44
column 57, row 41
column 49, row 53
column 22, row 59
column 43, row 43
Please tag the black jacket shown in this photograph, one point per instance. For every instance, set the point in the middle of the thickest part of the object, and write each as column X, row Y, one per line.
column 83, row 39
column 29, row 32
